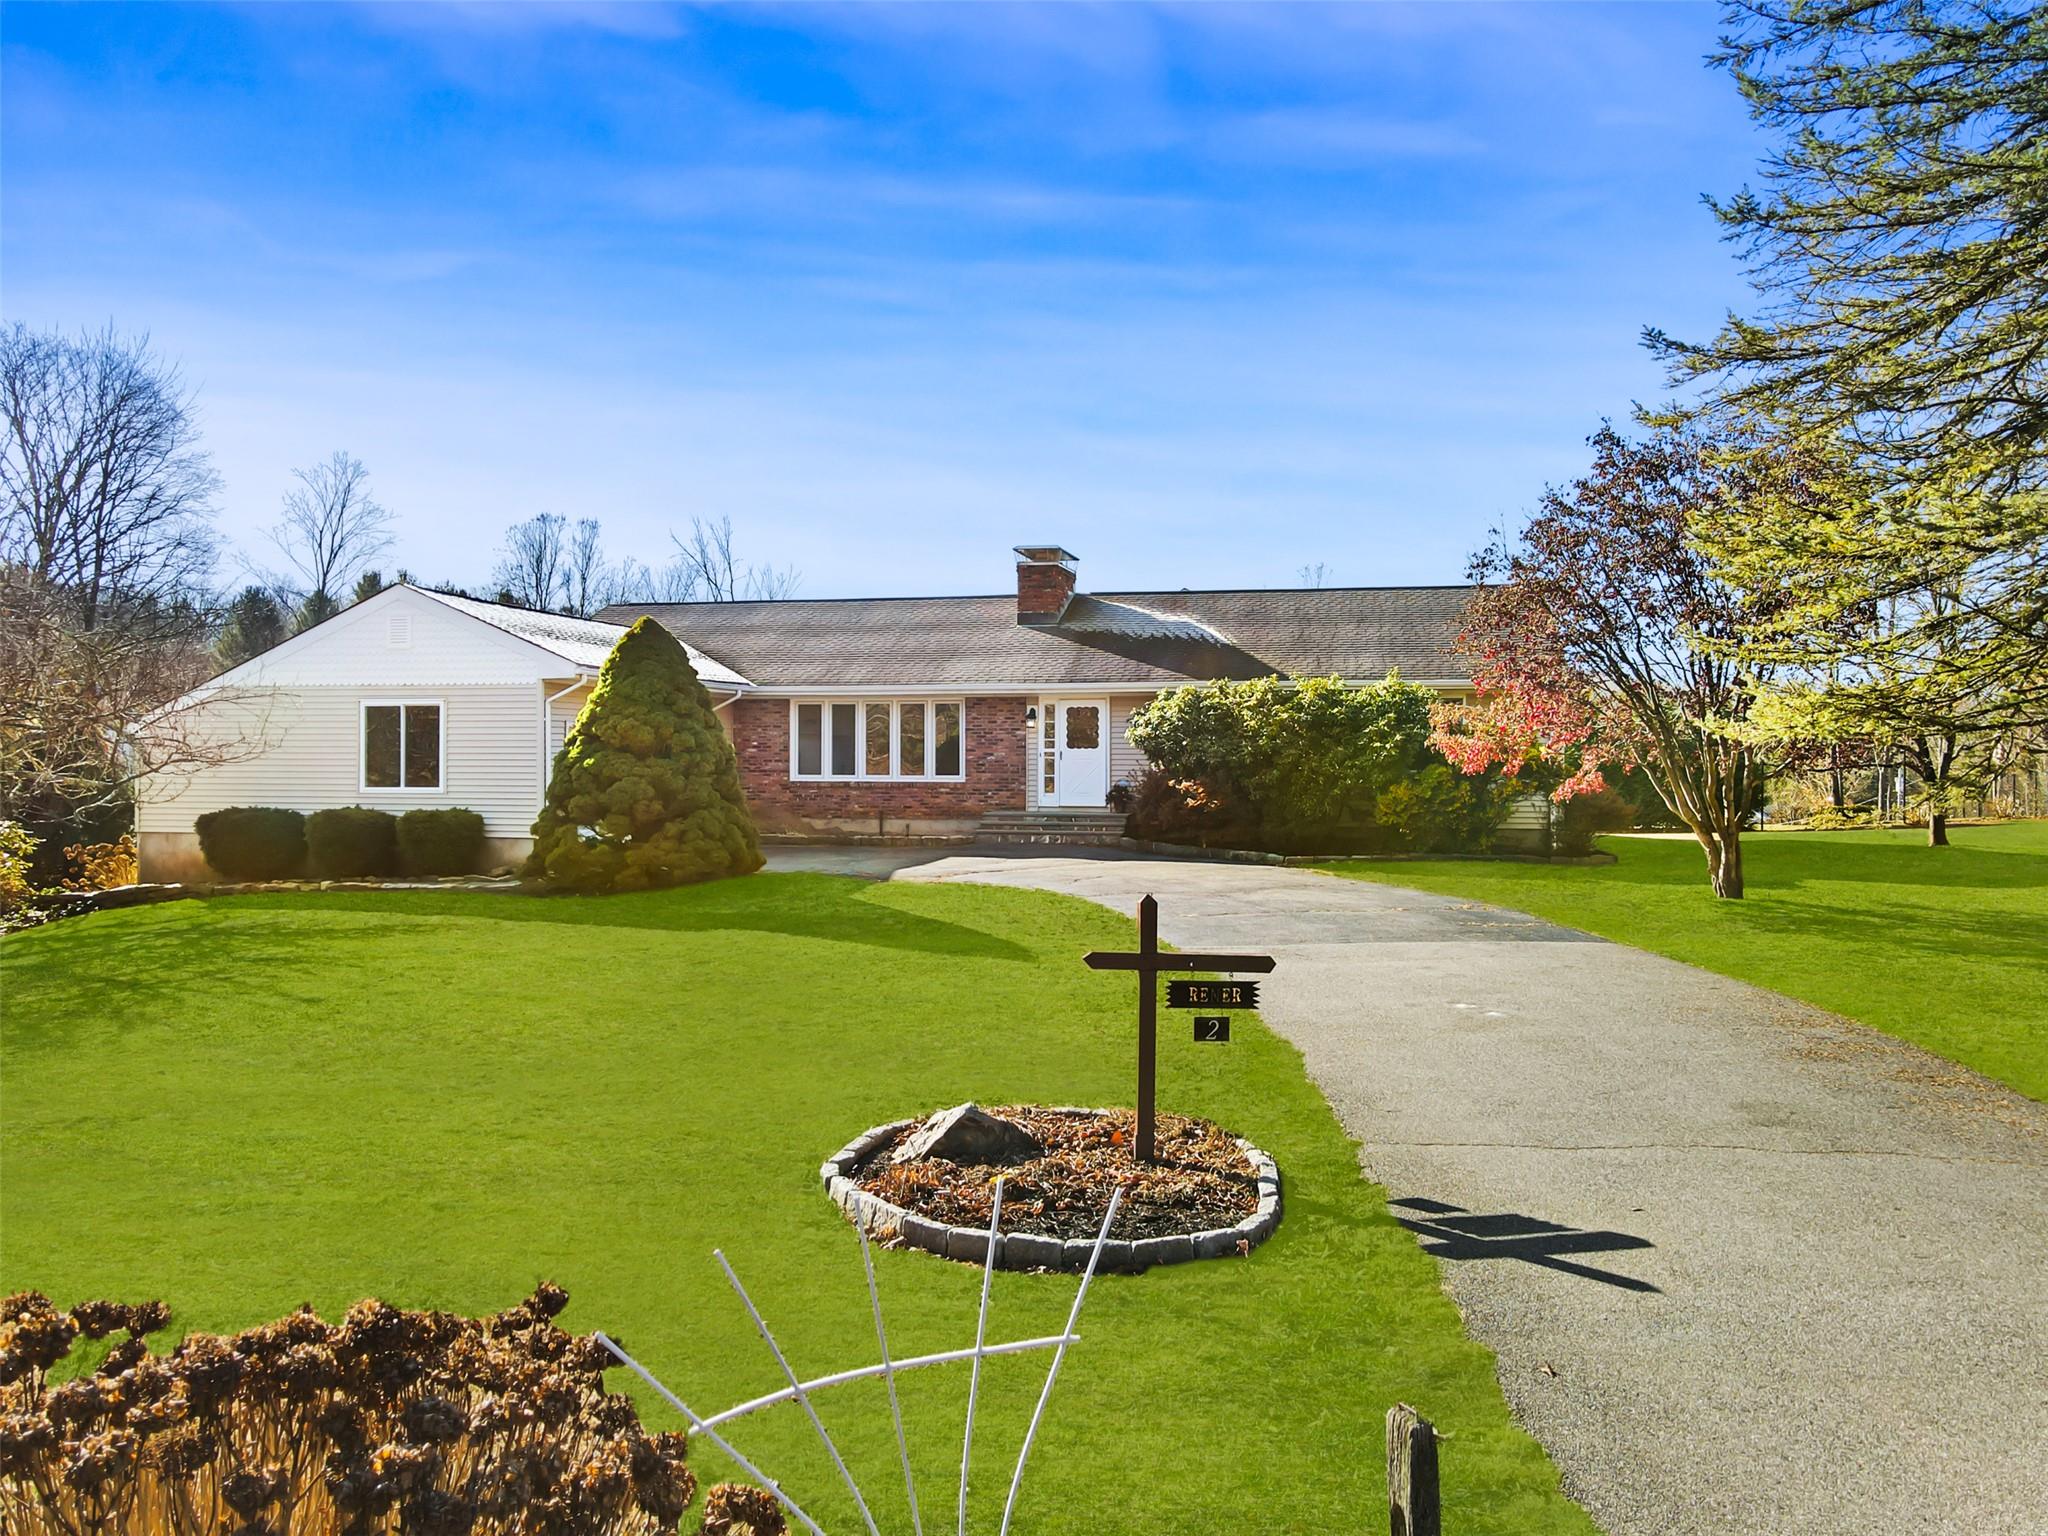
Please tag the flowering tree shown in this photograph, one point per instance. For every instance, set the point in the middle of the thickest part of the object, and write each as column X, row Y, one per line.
column 1602, row 637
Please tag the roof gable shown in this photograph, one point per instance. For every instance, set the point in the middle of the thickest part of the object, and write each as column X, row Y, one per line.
column 408, row 636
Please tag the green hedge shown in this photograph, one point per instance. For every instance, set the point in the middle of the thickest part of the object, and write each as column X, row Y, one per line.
column 445, row 842
column 352, row 842
column 253, row 842
column 1584, row 816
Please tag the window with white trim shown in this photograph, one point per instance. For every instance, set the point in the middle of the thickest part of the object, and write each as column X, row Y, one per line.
column 401, row 745
column 877, row 739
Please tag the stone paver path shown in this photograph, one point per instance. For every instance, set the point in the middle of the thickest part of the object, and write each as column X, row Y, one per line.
column 1749, row 1268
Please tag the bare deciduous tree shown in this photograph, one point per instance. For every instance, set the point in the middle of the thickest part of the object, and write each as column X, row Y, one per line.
column 87, row 711
column 107, row 496
column 587, row 583
column 717, row 575
column 1314, row 576
column 332, row 529
column 105, row 554
column 534, row 570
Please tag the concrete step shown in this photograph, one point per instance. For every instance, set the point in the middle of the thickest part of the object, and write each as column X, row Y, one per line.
column 1016, row 835
column 1052, row 825
column 1052, row 818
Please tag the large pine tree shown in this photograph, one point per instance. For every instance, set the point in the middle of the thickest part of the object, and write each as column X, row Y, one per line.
column 646, row 790
column 1901, row 252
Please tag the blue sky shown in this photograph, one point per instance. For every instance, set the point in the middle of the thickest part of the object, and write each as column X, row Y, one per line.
column 1205, row 294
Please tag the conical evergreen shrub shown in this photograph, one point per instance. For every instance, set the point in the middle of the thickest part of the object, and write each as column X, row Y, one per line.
column 646, row 790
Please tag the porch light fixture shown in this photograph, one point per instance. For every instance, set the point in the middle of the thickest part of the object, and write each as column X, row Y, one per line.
column 1031, row 714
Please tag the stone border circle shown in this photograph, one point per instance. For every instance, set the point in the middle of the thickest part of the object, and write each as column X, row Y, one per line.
column 885, row 1221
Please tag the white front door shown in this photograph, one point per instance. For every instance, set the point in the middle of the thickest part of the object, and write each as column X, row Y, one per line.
column 1081, row 753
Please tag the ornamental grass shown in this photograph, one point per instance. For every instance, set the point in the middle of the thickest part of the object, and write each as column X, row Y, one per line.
column 388, row 1423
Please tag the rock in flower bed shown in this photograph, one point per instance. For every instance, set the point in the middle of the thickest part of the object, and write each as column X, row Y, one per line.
column 1203, row 1179
column 386, row 1422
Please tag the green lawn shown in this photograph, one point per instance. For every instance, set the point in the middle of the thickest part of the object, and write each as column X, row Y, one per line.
column 439, row 1098
column 1945, row 947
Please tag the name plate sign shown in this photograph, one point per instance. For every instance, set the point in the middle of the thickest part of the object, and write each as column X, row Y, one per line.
column 1212, row 994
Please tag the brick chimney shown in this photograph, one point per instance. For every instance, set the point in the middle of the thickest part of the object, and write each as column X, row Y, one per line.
column 1045, row 583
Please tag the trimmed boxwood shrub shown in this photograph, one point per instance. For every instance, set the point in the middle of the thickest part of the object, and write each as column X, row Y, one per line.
column 351, row 842
column 444, row 842
column 253, row 842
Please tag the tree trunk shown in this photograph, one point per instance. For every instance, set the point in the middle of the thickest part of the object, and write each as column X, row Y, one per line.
column 1724, row 865
column 1937, row 829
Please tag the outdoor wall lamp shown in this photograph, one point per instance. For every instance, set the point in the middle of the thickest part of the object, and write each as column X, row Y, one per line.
column 1031, row 714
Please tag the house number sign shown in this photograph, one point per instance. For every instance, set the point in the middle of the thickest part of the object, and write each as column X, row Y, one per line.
column 1212, row 1029
column 1212, row 994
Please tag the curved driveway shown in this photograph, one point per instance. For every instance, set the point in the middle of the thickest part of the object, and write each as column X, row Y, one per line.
column 1749, row 1268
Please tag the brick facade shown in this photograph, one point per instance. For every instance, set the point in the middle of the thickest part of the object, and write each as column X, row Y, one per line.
column 995, row 740
column 1043, row 591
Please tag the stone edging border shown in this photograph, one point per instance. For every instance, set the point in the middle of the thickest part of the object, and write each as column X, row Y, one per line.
column 1023, row 1250
column 1301, row 860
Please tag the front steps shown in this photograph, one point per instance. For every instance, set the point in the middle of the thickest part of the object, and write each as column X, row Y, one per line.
column 1052, row 825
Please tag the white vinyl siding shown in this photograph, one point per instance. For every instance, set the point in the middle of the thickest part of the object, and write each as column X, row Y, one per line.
column 303, row 751
column 1126, row 762
column 562, row 714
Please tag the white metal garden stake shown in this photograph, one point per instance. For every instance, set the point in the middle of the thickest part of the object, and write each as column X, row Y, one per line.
column 988, row 1272
column 889, row 1374
column 703, row 1426
column 1052, row 1374
column 800, row 1391
column 803, row 1397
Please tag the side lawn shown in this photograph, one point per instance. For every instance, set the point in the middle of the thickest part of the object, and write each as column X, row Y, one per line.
column 1945, row 947
column 242, row 1105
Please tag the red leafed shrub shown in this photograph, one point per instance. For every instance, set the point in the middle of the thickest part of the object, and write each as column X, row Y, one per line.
column 387, row 1422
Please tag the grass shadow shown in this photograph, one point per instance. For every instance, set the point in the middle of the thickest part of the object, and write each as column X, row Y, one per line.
column 148, row 961
column 838, row 908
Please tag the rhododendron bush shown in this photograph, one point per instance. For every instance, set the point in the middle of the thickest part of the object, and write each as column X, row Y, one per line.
column 387, row 1422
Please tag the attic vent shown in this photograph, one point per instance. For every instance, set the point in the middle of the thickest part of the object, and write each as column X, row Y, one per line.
column 398, row 629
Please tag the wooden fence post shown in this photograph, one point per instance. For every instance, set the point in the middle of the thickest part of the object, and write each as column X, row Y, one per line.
column 1412, row 1507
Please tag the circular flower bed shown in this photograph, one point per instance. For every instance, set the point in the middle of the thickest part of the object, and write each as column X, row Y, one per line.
column 1208, row 1195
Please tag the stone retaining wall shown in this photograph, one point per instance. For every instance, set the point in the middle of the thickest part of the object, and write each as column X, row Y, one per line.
column 1023, row 1250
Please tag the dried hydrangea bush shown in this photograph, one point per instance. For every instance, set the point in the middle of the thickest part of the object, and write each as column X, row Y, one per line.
column 1202, row 1179
column 387, row 1422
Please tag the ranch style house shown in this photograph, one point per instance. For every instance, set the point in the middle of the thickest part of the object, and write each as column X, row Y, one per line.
column 1001, row 715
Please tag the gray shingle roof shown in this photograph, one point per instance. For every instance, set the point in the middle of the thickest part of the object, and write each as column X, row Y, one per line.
column 584, row 643
column 1145, row 638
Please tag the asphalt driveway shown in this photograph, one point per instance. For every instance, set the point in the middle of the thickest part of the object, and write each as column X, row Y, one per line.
column 1748, row 1267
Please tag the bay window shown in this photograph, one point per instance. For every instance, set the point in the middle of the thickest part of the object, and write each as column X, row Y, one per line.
column 877, row 739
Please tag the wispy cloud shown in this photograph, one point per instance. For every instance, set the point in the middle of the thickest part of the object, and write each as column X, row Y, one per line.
column 1337, row 135
column 528, row 18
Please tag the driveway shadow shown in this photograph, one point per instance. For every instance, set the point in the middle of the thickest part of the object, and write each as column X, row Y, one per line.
column 1452, row 1232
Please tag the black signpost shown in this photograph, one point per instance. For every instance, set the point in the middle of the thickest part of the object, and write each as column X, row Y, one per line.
column 1149, row 961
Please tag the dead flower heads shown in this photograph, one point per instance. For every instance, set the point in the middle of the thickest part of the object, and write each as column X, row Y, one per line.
column 388, row 1423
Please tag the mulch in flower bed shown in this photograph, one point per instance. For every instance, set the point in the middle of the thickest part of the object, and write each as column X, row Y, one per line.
column 1201, row 1181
